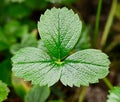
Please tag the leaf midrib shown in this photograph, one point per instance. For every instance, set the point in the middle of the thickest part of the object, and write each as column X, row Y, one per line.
column 65, row 62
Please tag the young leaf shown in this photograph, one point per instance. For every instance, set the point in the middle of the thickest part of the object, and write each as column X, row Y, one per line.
column 3, row 91
column 114, row 95
column 81, row 68
column 59, row 30
column 37, row 94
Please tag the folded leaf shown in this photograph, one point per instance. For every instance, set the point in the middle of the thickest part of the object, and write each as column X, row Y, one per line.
column 59, row 30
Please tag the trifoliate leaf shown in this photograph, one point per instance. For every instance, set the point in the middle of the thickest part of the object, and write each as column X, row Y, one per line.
column 37, row 94
column 3, row 91
column 114, row 95
column 81, row 68
column 59, row 30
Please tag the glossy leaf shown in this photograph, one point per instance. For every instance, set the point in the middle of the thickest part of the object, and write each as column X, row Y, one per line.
column 59, row 30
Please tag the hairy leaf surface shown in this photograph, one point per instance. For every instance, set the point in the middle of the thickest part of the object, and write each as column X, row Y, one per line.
column 81, row 68
column 59, row 30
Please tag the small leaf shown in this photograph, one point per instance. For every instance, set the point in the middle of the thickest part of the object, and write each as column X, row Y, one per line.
column 114, row 95
column 59, row 30
column 37, row 94
column 28, row 40
column 3, row 91
column 20, row 87
column 84, row 40
column 81, row 68
column 62, row 1
column 14, row 29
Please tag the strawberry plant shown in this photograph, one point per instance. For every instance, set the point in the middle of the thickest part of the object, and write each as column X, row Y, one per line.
column 60, row 30
column 57, row 51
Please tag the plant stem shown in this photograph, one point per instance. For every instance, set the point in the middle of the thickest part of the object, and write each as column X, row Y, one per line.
column 108, row 83
column 109, row 22
column 96, row 32
column 82, row 94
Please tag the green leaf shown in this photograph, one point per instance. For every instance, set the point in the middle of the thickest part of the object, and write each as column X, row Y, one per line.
column 17, row 10
column 84, row 67
column 62, row 1
column 81, row 68
column 20, row 87
column 36, row 4
column 3, row 91
column 114, row 95
column 5, row 71
column 16, row 1
column 3, row 40
column 84, row 40
column 37, row 94
column 38, row 66
column 14, row 29
column 28, row 40
column 42, row 46
column 59, row 30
